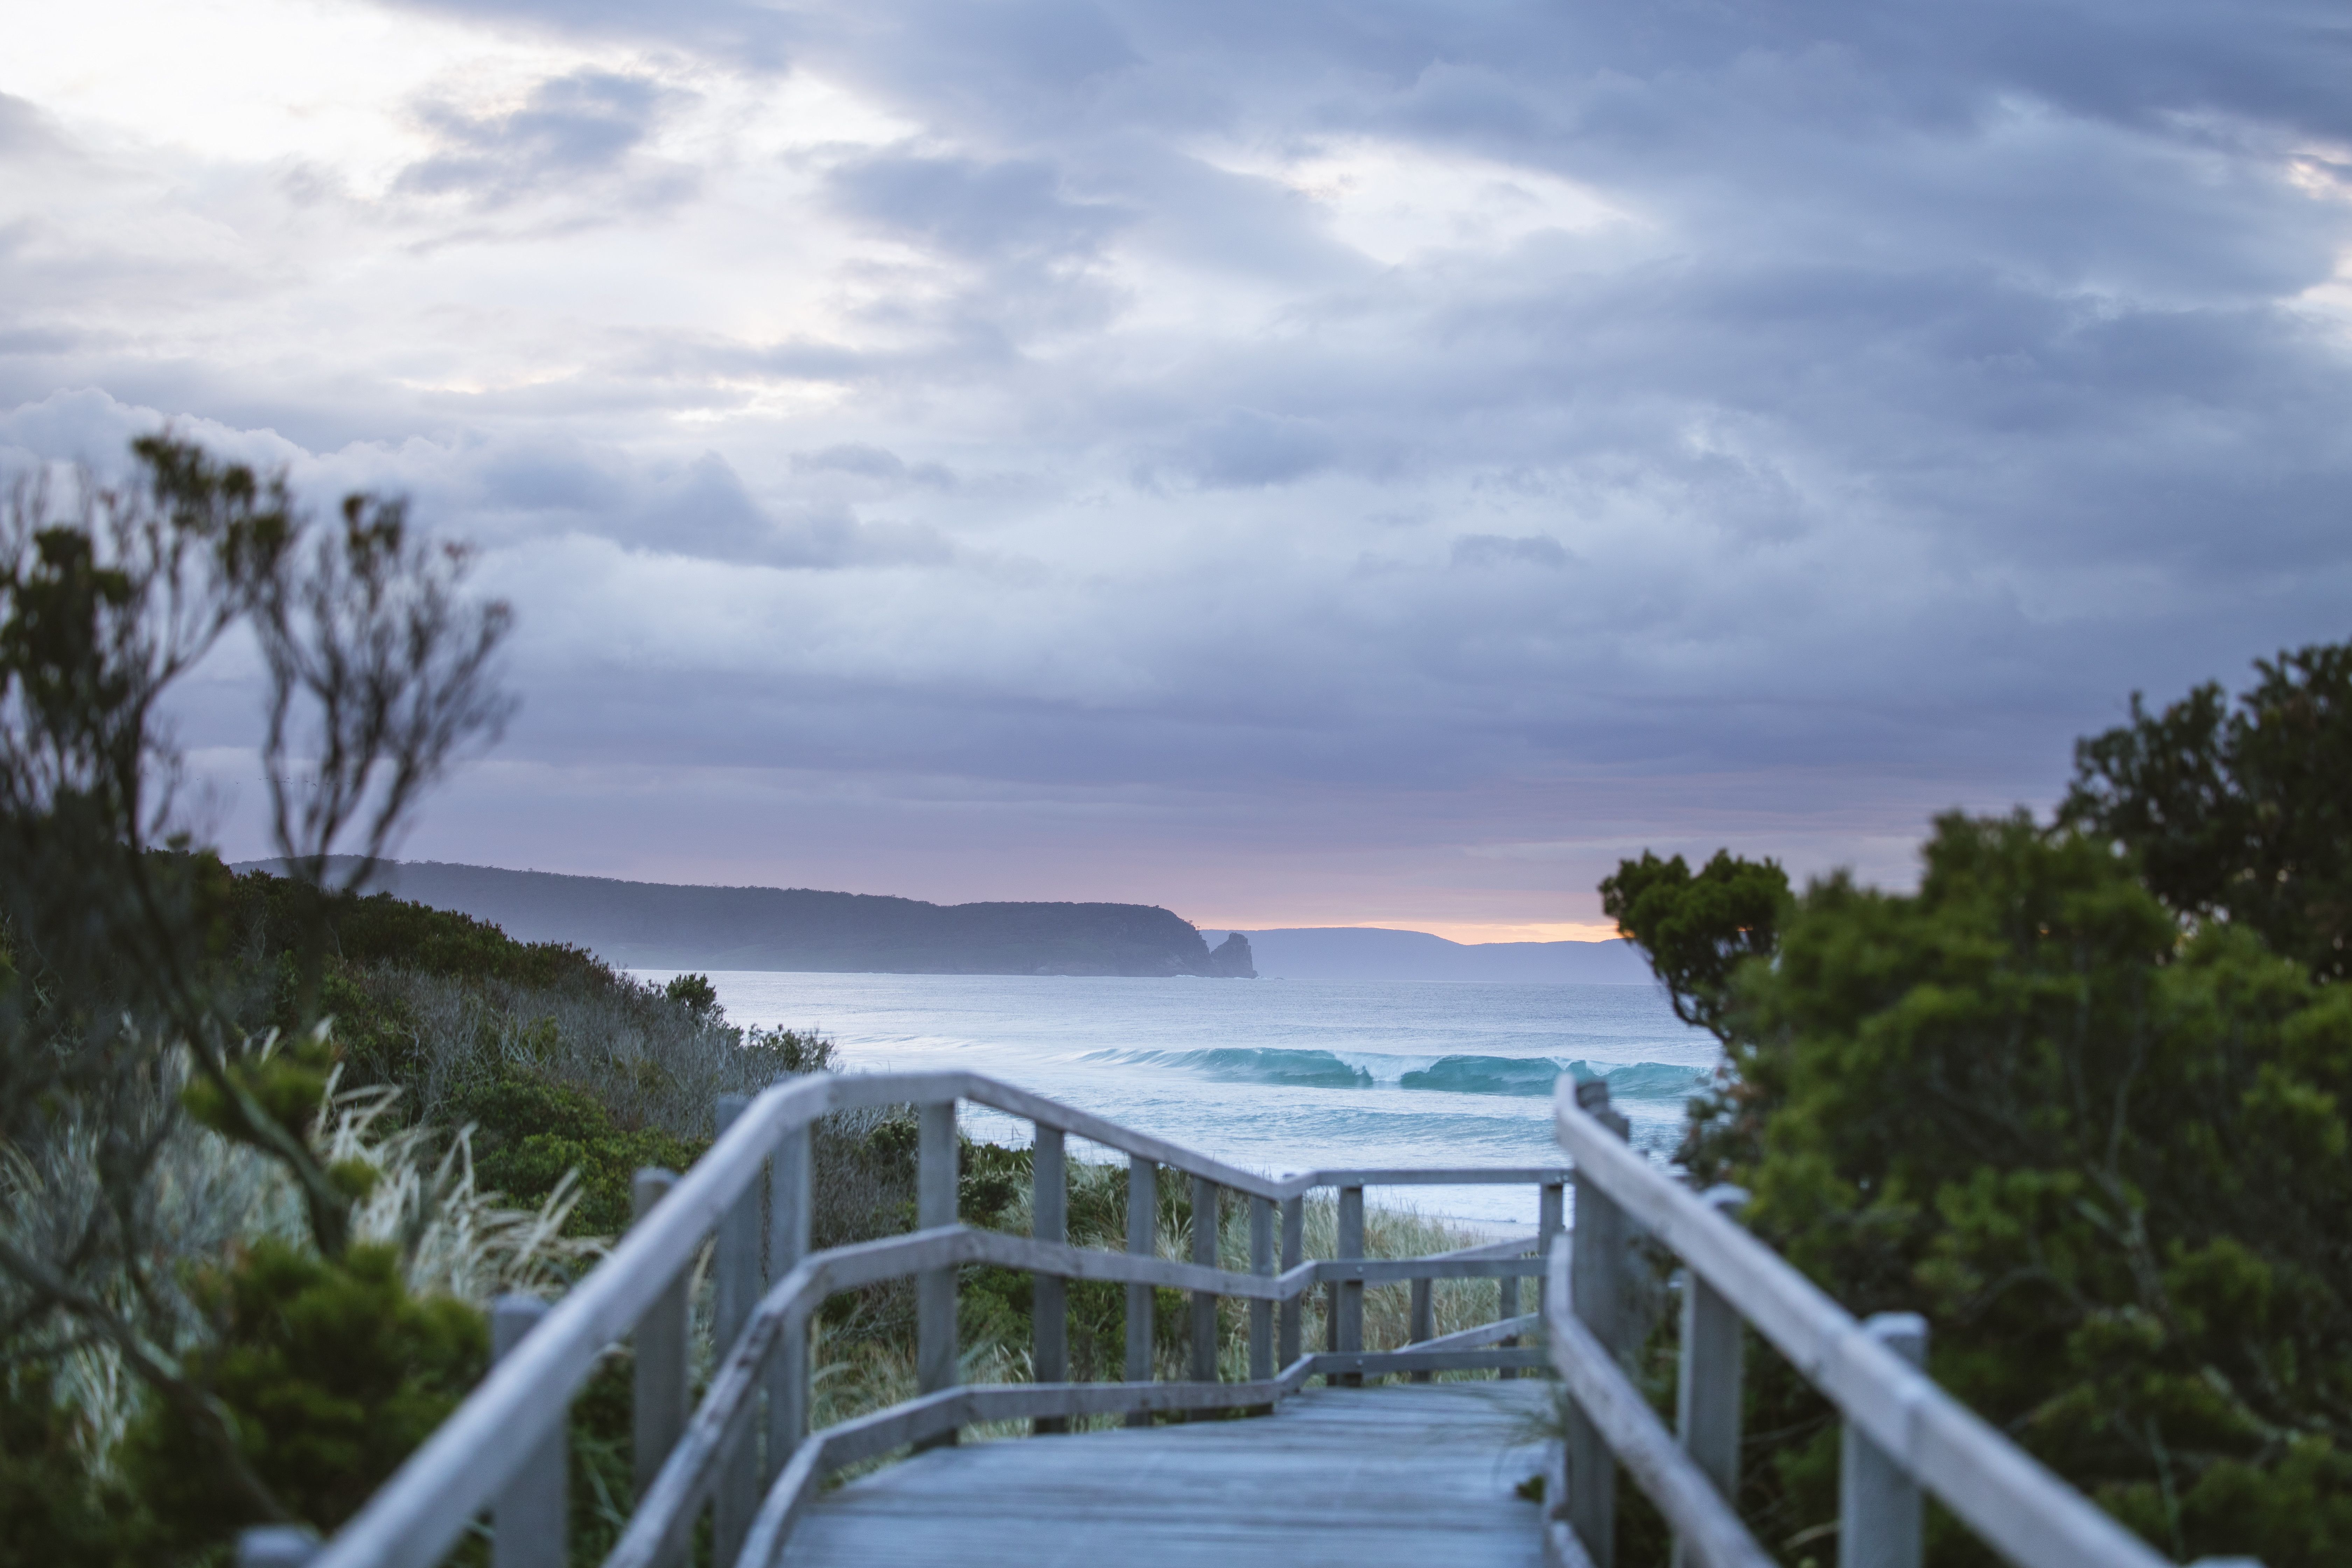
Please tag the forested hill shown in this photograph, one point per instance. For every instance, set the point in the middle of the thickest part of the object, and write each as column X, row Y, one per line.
column 657, row 925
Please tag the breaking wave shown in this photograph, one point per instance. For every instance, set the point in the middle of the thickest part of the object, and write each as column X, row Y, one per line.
column 1529, row 1076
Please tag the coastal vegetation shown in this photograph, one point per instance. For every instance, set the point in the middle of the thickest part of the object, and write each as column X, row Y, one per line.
column 271, row 1146
column 2081, row 1100
column 268, row 1146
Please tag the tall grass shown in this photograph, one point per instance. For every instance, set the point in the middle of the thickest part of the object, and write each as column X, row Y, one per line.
column 648, row 1061
column 205, row 1197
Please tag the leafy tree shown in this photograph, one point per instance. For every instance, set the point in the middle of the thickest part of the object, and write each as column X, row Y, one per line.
column 335, row 1372
column 2082, row 1100
column 116, row 974
column 1697, row 930
column 696, row 992
column 2238, row 814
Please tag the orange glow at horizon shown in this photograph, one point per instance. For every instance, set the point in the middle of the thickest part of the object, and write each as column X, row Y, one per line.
column 1469, row 933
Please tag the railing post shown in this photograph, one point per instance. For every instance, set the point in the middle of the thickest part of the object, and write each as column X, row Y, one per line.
column 1261, row 1312
column 1143, row 1241
column 1879, row 1513
column 1291, row 1318
column 1706, row 1392
column 1597, row 1289
column 660, row 1378
column 1424, row 1319
column 1350, row 1315
column 530, row 1521
column 737, row 1496
column 1551, row 1219
column 1204, row 1302
column 788, row 1178
column 1049, row 1209
column 1551, row 1203
column 935, row 1289
column 1507, row 1307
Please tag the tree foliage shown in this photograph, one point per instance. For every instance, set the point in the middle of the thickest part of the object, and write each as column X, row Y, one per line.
column 2081, row 1099
column 118, row 972
column 1698, row 929
column 2240, row 813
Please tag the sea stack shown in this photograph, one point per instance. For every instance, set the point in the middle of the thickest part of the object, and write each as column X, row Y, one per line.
column 1231, row 958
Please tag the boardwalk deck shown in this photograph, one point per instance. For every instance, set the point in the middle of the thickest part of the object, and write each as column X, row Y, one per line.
column 1353, row 1477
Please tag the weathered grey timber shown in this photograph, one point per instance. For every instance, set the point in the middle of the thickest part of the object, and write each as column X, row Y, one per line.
column 528, row 1518
column 1905, row 1435
column 1913, row 1429
column 1349, row 1477
column 1049, row 1208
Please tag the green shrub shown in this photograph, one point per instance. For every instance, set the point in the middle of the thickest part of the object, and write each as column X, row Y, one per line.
column 530, row 1131
column 331, row 1374
column 55, row 1509
column 2107, row 1158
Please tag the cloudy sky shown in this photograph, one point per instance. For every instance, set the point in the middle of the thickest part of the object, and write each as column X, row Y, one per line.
column 1296, row 463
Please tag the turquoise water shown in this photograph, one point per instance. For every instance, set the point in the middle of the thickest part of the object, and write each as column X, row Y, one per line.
column 1271, row 1074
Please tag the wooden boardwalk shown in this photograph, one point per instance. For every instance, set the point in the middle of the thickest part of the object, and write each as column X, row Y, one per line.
column 1353, row 1477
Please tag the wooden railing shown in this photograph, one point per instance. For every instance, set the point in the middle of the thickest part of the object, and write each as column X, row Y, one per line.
column 1903, row 1434
column 754, row 1472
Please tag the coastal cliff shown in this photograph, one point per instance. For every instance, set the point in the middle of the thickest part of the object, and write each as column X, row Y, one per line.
column 659, row 925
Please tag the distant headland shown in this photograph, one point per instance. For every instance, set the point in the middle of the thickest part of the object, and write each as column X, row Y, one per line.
column 661, row 925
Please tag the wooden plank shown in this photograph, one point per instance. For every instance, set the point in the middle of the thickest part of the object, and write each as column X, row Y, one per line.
column 736, row 1293
column 1421, row 1312
column 1049, row 1209
column 1503, row 1330
column 1707, row 1397
column 1143, row 1242
column 1598, row 1282
column 659, row 1530
column 1396, row 1271
column 1343, row 1476
column 1509, row 1247
column 1204, row 1302
column 1880, row 1523
column 2019, row 1507
column 1348, row 1304
column 531, row 1523
column 1293, row 1311
column 936, row 1177
column 658, row 1374
column 413, row 1520
column 1705, row 1524
column 1506, row 1310
column 1036, row 1107
column 1453, row 1177
column 1261, row 1312
column 1358, row 1364
column 788, row 1178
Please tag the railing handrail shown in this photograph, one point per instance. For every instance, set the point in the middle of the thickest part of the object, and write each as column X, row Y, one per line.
column 690, row 1472
column 1704, row 1523
column 2002, row 1493
column 413, row 1520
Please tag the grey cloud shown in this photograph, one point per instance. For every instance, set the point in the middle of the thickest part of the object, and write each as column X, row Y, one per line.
column 25, row 130
column 1246, row 448
column 1493, row 550
column 1014, row 207
column 873, row 463
column 573, row 127
column 1952, row 372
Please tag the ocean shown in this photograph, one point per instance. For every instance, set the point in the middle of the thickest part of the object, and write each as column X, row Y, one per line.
column 1271, row 1074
